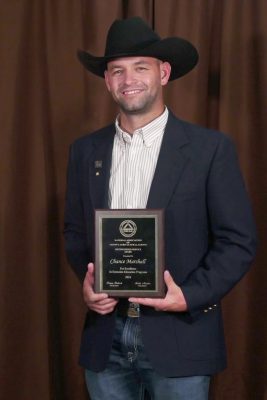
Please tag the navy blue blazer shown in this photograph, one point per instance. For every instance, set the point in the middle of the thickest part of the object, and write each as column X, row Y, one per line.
column 210, row 242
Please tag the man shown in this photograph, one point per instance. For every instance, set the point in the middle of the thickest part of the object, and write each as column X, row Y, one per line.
column 150, row 159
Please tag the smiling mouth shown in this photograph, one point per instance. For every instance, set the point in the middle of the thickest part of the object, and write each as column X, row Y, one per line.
column 131, row 92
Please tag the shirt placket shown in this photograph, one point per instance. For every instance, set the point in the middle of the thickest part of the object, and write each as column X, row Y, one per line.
column 131, row 177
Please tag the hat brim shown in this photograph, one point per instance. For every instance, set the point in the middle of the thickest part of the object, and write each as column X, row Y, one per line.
column 180, row 53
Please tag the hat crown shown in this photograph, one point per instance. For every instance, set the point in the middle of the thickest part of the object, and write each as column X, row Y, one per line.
column 129, row 35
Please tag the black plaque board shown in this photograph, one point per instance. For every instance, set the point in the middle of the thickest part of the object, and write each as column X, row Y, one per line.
column 129, row 248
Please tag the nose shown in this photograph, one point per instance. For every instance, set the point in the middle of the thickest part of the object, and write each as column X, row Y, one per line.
column 129, row 76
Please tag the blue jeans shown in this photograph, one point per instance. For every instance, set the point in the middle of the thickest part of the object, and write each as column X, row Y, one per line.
column 129, row 373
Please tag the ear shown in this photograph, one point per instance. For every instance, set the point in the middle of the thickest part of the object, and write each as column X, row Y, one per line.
column 165, row 72
column 107, row 80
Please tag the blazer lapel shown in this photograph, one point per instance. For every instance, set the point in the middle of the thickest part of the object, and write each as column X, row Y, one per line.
column 99, row 168
column 170, row 165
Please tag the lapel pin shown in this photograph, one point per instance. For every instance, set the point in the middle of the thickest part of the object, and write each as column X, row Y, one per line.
column 98, row 164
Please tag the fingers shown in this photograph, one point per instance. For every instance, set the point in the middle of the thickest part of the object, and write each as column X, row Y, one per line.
column 90, row 297
column 104, row 306
column 158, row 304
column 173, row 301
column 89, row 294
column 98, row 302
column 145, row 301
column 149, row 301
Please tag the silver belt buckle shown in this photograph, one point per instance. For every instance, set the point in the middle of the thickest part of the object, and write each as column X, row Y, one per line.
column 133, row 310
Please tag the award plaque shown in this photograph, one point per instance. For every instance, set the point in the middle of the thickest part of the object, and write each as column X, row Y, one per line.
column 129, row 253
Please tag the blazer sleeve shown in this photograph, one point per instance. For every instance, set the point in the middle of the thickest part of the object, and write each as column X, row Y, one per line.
column 232, row 233
column 76, row 246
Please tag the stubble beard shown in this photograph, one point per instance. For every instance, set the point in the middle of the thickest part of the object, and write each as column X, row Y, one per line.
column 140, row 106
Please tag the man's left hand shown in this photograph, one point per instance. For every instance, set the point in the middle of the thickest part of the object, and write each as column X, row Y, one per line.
column 173, row 301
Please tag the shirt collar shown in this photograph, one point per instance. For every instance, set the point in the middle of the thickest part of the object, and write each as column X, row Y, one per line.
column 149, row 132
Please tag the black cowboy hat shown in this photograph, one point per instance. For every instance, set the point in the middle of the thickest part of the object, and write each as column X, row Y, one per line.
column 133, row 37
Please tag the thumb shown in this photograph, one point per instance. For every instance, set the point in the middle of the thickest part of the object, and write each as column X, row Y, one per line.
column 168, row 279
column 91, row 268
column 90, row 273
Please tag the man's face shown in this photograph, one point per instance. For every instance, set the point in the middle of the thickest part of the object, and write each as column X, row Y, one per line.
column 136, row 83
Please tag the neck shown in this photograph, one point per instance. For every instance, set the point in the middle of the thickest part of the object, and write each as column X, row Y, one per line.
column 130, row 122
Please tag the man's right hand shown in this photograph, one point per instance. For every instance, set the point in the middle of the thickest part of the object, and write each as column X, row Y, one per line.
column 98, row 302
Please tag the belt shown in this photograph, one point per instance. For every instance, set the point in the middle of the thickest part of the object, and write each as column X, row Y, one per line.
column 133, row 310
column 126, row 309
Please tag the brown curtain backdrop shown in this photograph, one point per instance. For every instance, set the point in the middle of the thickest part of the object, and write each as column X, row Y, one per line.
column 47, row 101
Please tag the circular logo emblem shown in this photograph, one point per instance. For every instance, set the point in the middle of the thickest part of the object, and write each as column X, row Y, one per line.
column 128, row 228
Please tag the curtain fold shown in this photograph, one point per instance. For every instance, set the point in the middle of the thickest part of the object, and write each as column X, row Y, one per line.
column 47, row 101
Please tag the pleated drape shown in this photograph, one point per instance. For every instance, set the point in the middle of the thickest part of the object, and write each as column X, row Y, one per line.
column 48, row 100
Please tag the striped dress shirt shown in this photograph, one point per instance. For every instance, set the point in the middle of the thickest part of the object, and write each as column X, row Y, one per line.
column 134, row 160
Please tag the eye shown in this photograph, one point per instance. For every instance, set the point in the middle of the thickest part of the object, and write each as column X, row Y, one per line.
column 141, row 69
column 117, row 72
